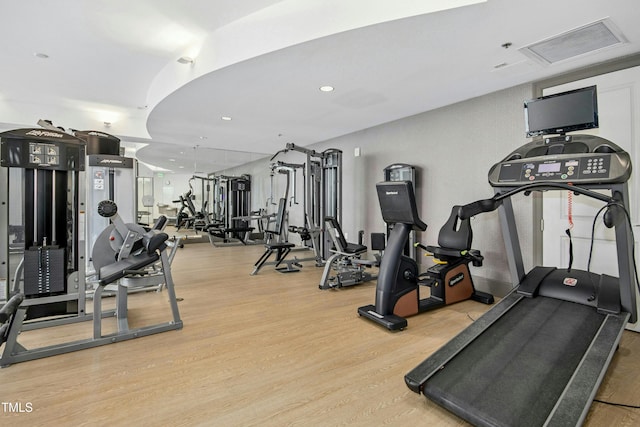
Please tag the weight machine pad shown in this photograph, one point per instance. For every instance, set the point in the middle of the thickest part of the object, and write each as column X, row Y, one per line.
column 112, row 272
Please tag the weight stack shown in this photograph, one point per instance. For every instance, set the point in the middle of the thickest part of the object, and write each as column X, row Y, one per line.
column 44, row 271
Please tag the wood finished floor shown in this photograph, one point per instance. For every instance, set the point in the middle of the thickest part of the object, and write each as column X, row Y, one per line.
column 265, row 350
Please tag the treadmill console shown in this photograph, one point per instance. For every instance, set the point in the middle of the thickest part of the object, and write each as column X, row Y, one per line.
column 581, row 159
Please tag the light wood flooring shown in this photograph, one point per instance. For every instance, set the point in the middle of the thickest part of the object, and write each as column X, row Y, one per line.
column 264, row 350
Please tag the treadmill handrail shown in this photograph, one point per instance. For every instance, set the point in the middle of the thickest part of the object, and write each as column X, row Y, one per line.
column 489, row 205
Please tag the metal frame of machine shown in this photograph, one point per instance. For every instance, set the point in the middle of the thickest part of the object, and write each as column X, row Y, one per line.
column 42, row 176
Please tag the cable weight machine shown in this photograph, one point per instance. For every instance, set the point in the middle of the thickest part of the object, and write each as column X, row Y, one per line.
column 42, row 177
column 322, row 195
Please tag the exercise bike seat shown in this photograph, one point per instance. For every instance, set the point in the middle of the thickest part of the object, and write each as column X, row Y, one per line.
column 454, row 240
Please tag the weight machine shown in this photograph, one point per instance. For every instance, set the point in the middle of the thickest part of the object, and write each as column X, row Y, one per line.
column 234, row 194
column 276, row 236
column 188, row 215
column 42, row 177
column 322, row 196
column 110, row 176
column 42, row 192
column 290, row 171
column 345, row 263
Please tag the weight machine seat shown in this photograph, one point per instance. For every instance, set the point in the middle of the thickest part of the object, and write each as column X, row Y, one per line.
column 153, row 242
column 274, row 246
column 279, row 219
column 281, row 249
column 112, row 272
column 340, row 242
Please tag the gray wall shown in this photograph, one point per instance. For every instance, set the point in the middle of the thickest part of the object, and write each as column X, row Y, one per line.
column 452, row 147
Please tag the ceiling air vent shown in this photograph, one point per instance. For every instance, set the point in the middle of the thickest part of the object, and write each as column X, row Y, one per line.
column 579, row 41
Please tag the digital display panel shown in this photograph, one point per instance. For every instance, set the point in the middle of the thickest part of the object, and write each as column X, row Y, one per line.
column 563, row 112
column 549, row 167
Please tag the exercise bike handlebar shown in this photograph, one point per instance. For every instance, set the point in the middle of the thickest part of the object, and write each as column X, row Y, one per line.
column 479, row 206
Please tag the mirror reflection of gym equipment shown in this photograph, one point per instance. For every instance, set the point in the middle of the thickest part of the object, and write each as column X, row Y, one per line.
column 43, row 182
column 234, row 203
column 145, row 200
column 188, row 216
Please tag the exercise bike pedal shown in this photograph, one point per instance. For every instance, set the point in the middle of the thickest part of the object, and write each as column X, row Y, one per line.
column 428, row 282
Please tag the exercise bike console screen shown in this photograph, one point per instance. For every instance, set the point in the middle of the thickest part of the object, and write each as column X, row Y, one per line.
column 395, row 197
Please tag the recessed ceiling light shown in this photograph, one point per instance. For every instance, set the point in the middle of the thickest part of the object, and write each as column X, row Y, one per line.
column 172, row 160
column 226, row 118
column 326, row 88
column 185, row 60
column 40, row 55
column 202, row 137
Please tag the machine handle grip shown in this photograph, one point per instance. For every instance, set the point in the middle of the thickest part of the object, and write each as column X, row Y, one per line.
column 479, row 206
column 10, row 307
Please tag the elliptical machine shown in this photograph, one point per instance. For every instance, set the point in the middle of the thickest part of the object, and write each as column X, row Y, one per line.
column 397, row 290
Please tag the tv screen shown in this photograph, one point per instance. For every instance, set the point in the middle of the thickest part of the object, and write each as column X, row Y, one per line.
column 562, row 112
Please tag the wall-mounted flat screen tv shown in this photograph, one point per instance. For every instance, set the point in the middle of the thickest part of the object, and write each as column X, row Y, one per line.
column 562, row 112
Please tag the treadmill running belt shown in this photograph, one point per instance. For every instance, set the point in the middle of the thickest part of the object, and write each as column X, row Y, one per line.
column 513, row 374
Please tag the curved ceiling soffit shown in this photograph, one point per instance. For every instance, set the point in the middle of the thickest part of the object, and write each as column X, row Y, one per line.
column 287, row 23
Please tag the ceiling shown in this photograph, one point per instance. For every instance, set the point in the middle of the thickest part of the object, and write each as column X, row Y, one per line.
column 112, row 66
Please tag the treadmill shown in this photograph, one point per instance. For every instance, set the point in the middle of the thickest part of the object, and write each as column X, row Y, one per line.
column 539, row 355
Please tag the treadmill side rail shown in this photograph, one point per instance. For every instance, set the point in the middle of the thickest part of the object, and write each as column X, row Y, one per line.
column 573, row 405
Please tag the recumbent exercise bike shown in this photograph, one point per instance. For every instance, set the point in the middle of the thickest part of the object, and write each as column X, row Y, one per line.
column 397, row 289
